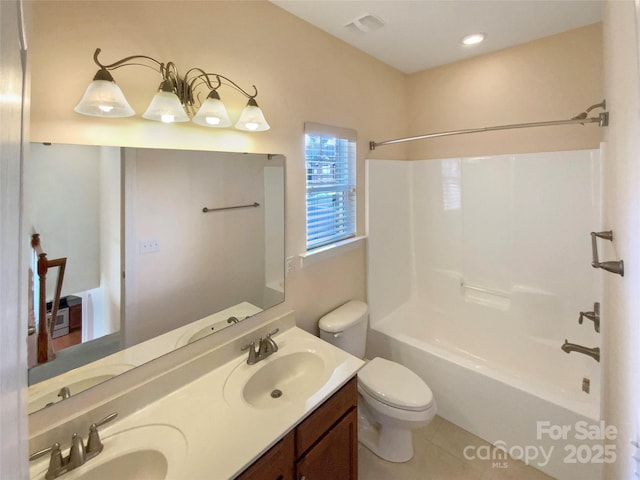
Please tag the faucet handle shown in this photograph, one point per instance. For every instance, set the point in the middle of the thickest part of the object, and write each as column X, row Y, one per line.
column 593, row 316
column 55, row 461
column 581, row 317
column 106, row 419
column 41, row 453
column 249, row 346
column 270, row 334
column 94, row 444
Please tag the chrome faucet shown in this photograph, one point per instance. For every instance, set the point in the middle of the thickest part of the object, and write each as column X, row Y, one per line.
column 233, row 320
column 268, row 345
column 64, row 393
column 594, row 316
column 265, row 347
column 78, row 453
column 573, row 347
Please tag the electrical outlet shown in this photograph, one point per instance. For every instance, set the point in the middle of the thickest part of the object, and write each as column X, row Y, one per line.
column 289, row 265
column 149, row 245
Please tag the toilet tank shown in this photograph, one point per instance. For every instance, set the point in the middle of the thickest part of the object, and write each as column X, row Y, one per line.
column 346, row 327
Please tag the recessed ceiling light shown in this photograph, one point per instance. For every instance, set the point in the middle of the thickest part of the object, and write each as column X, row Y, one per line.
column 473, row 39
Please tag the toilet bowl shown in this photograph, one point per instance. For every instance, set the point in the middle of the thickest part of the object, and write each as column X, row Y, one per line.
column 392, row 400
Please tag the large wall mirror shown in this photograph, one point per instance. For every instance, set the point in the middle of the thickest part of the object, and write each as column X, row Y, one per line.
column 163, row 247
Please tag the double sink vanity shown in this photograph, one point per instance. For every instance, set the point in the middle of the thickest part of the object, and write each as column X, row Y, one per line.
column 205, row 413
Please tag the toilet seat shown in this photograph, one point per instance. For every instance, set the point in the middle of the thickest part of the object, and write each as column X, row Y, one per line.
column 394, row 385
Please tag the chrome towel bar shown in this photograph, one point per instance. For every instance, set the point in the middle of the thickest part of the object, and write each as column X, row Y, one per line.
column 205, row 209
column 615, row 266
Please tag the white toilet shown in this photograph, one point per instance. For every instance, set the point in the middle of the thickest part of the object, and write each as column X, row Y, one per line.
column 392, row 399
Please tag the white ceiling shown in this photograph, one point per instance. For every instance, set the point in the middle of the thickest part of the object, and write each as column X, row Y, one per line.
column 421, row 34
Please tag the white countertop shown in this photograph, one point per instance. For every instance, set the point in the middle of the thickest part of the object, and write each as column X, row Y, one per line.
column 220, row 434
column 100, row 370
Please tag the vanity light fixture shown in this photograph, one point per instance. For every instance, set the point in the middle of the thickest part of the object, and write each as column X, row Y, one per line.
column 176, row 99
column 473, row 39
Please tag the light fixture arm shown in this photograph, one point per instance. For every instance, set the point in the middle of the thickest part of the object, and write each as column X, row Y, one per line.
column 206, row 77
column 233, row 84
column 183, row 87
column 175, row 100
column 125, row 62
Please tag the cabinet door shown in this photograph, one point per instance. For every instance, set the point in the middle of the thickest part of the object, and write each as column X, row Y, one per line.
column 75, row 317
column 276, row 464
column 335, row 456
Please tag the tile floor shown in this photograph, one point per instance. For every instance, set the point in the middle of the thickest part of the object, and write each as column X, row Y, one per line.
column 439, row 456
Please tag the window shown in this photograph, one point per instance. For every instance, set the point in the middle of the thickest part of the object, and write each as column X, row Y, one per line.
column 330, row 159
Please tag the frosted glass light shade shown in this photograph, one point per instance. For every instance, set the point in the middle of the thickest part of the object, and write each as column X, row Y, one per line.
column 212, row 113
column 166, row 107
column 252, row 119
column 103, row 98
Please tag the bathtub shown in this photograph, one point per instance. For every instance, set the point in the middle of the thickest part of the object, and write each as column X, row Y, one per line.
column 516, row 395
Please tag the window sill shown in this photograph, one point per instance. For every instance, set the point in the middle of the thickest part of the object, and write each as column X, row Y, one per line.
column 331, row 250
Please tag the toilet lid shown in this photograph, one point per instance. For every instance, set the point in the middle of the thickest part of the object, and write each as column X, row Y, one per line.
column 394, row 385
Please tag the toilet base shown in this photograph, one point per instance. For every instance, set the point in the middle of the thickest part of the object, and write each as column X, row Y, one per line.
column 389, row 443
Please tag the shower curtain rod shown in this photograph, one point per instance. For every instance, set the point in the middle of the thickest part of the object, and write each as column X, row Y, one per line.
column 602, row 120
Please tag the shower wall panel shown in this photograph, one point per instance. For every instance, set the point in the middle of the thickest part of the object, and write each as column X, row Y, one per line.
column 509, row 232
column 487, row 207
column 389, row 272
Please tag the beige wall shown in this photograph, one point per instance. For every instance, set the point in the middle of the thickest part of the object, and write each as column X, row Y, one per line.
column 65, row 210
column 302, row 74
column 621, row 306
column 553, row 78
column 205, row 263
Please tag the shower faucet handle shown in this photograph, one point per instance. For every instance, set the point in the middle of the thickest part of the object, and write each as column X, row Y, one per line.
column 594, row 316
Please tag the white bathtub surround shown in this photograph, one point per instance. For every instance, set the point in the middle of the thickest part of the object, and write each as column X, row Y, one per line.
column 478, row 269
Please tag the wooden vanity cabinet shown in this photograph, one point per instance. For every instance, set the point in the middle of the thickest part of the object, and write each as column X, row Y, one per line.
column 75, row 316
column 335, row 456
column 277, row 464
column 323, row 447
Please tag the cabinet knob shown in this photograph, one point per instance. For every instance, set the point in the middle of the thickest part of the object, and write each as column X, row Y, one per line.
column 303, row 477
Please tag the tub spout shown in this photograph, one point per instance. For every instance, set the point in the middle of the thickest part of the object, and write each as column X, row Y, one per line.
column 573, row 347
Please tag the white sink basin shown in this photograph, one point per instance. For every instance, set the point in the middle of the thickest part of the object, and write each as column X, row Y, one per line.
column 150, row 452
column 42, row 394
column 296, row 375
column 292, row 375
column 203, row 332
column 141, row 464
column 214, row 323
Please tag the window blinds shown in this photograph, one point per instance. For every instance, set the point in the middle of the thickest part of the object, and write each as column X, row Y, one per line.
column 330, row 155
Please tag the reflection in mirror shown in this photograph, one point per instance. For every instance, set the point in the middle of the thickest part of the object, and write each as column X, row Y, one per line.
column 163, row 247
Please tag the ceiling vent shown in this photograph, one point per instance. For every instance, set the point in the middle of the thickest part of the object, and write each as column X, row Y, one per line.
column 365, row 23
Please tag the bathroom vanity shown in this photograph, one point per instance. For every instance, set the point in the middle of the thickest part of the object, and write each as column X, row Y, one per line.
column 324, row 445
column 214, row 416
